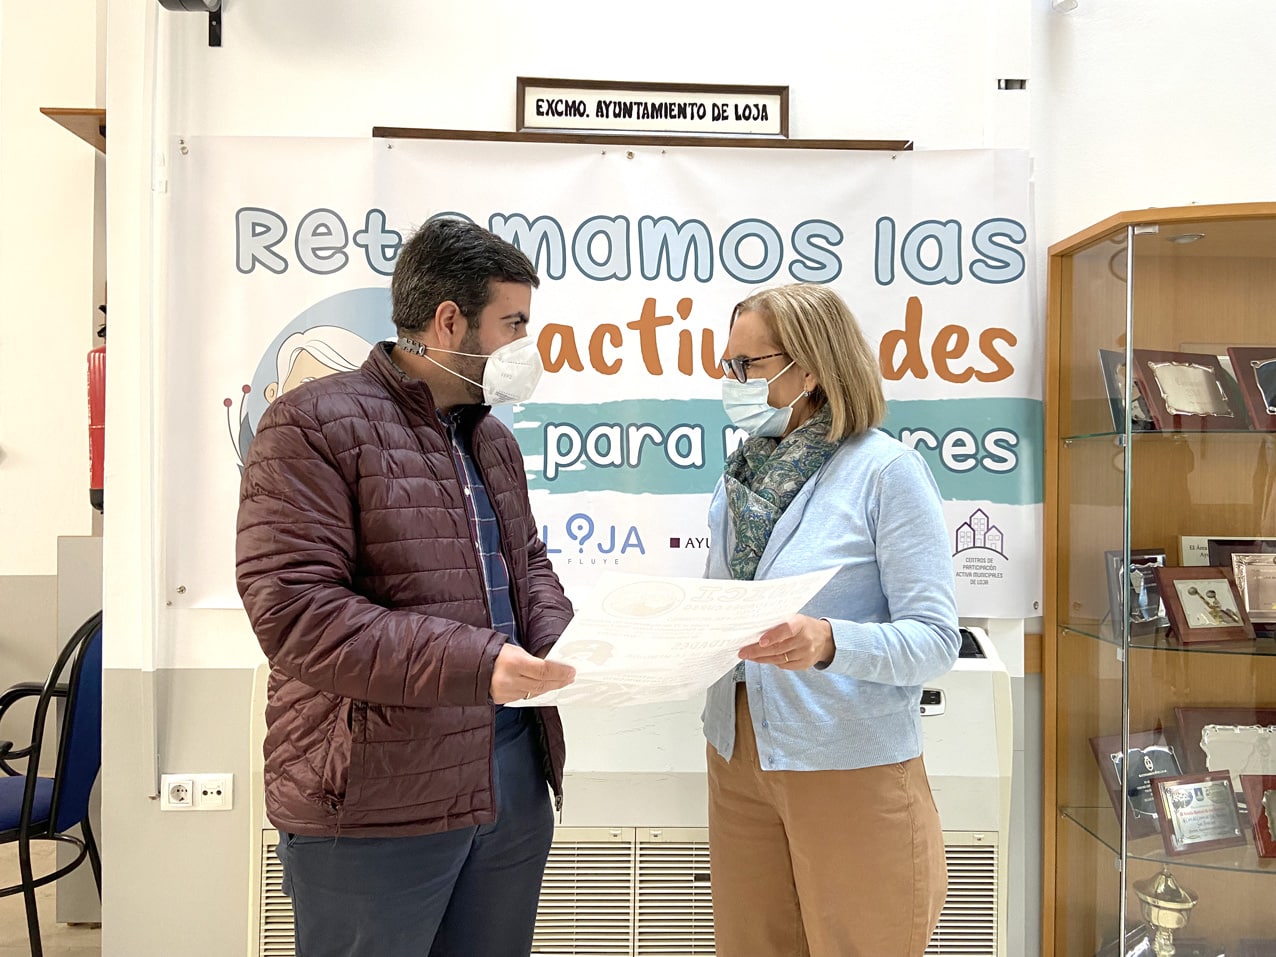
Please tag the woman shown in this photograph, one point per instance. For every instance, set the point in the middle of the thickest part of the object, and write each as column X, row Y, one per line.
column 824, row 838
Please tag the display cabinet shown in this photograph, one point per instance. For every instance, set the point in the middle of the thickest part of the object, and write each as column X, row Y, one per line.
column 1160, row 590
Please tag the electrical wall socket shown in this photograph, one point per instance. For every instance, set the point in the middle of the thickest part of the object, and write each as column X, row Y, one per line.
column 196, row 792
column 177, row 792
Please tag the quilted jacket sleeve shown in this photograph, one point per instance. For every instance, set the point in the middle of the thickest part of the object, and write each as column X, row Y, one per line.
column 294, row 558
column 550, row 608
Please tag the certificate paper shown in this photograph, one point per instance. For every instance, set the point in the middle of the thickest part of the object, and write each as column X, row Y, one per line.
column 638, row 639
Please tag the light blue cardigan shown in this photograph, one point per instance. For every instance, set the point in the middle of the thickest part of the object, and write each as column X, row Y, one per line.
column 874, row 512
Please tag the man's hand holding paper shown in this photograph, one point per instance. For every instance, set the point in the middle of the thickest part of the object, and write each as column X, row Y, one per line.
column 638, row 639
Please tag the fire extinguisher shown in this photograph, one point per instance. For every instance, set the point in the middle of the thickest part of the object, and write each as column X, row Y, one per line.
column 97, row 419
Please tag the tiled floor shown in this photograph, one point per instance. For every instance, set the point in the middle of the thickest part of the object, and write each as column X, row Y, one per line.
column 59, row 939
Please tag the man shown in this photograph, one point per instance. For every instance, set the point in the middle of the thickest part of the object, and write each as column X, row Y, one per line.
column 391, row 568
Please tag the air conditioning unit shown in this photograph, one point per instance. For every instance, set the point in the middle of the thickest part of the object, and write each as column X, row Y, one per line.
column 628, row 888
column 644, row 892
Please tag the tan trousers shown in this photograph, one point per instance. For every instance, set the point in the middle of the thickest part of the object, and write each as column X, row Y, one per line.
column 821, row 863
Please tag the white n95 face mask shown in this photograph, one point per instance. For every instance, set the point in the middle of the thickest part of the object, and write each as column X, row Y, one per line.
column 747, row 407
column 510, row 374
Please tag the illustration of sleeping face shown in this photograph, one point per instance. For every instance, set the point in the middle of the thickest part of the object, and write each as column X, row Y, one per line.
column 306, row 367
column 317, row 352
column 312, row 353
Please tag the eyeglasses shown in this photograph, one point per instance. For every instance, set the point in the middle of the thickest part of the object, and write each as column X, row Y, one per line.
column 738, row 367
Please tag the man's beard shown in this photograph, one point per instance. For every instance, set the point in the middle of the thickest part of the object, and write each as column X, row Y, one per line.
column 472, row 368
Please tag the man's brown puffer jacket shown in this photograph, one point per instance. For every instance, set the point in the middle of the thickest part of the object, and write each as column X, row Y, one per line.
column 362, row 581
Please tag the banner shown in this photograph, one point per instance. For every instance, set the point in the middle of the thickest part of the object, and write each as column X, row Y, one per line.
column 281, row 252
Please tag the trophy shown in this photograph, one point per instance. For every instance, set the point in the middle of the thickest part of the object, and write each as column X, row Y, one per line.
column 1166, row 908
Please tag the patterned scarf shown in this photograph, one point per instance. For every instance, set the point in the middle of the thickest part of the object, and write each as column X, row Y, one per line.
column 762, row 477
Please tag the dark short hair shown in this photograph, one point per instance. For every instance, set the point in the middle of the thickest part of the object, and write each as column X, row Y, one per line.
column 451, row 259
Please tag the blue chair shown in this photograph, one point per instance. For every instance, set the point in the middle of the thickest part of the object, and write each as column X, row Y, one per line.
column 45, row 808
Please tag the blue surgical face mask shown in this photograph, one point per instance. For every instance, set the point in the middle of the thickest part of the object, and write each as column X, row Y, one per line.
column 747, row 407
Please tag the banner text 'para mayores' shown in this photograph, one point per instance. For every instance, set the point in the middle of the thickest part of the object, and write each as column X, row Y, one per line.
column 932, row 252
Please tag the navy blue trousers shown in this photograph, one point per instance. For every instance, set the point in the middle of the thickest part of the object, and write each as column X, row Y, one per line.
column 470, row 892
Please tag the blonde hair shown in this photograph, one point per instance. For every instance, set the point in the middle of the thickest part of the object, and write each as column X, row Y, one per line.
column 816, row 329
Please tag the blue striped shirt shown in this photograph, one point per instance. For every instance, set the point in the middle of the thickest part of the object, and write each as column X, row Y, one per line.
column 486, row 532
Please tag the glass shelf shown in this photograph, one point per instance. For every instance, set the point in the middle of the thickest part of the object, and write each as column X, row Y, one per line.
column 1161, row 642
column 1101, row 824
column 1152, row 435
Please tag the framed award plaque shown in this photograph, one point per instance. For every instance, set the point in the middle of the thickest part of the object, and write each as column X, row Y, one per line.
column 1219, row 551
column 1150, row 755
column 1256, row 375
column 1113, row 363
column 1203, row 604
column 1193, row 721
column 1260, row 799
column 1133, row 592
column 1197, row 813
column 1187, row 391
column 1196, row 549
column 1255, row 575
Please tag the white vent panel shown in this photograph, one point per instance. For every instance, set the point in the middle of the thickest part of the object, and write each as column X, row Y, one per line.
column 276, row 924
column 586, row 905
column 673, row 910
column 968, row 922
column 612, row 892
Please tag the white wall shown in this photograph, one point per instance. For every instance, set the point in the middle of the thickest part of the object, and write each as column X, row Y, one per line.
column 47, row 295
column 1139, row 104
column 1103, row 83
column 342, row 68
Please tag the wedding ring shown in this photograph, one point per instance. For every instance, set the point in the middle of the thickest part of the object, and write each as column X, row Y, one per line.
column 527, row 696
column 786, row 657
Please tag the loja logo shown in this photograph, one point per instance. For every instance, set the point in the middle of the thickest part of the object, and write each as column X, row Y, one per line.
column 581, row 528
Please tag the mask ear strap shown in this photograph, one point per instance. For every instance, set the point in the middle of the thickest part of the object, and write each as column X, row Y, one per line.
column 800, row 397
column 453, row 371
column 792, row 363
